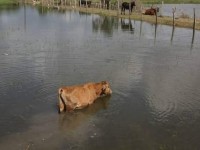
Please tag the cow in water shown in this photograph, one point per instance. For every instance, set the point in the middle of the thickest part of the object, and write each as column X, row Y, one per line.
column 125, row 5
column 85, row 2
column 81, row 96
column 152, row 11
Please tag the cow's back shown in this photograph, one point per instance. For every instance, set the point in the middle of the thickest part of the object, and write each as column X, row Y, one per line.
column 80, row 95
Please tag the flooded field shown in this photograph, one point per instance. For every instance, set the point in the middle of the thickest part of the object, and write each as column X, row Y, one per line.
column 153, row 70
column 181, row 9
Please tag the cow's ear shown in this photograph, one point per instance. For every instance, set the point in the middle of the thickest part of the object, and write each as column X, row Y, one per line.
column 104, row 82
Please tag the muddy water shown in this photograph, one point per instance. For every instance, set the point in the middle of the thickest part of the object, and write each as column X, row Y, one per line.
column 154, row 74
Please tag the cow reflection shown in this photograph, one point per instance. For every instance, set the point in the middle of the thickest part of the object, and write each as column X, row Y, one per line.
column 104, row 24
column 126, row 25
column 72, row 121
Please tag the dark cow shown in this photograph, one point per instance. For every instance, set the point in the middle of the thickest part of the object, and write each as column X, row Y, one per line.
column 85, row 2
column 125, row 5
column 151, row 11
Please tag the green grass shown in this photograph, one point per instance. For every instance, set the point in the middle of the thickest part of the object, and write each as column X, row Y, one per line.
column 8, row 2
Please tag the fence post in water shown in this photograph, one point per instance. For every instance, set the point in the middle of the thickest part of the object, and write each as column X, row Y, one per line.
column 194, row 23
column 156, row 16
column 172, row 36
column 173, row 11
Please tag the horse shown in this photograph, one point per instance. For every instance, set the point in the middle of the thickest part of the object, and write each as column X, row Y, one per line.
column 151, row 11
column 125, row 5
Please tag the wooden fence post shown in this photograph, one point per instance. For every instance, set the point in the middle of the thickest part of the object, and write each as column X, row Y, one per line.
column 194, row 23
column 173, row 11
column 172, row 36
column 129, row 8
column 156, row 16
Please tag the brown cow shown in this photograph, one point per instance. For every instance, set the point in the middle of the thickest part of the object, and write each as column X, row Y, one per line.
column 151, row 11
column 80, row 96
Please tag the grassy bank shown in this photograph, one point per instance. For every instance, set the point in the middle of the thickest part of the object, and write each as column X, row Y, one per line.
column 165, row 20
column 181, row 22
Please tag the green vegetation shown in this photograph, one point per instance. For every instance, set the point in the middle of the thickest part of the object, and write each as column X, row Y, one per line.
column 8, row 2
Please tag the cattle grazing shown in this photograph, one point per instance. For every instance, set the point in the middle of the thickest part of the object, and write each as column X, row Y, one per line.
column 151, row 11
column 85, row 3
column 125, row 5
column 80, row 96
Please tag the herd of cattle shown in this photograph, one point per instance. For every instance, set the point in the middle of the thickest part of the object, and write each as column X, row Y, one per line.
column 124, row 6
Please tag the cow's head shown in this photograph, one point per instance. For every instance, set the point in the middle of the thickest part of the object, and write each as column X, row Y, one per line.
column 105, row 88
column 133, row 3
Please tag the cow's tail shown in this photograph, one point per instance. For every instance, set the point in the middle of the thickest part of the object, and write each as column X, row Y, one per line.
column 61, row 104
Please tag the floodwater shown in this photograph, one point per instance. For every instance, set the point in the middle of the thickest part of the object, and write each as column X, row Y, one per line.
column 186, row 9
column 154, row 72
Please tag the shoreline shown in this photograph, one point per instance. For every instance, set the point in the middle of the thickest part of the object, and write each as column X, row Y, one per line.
column 165, row 20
